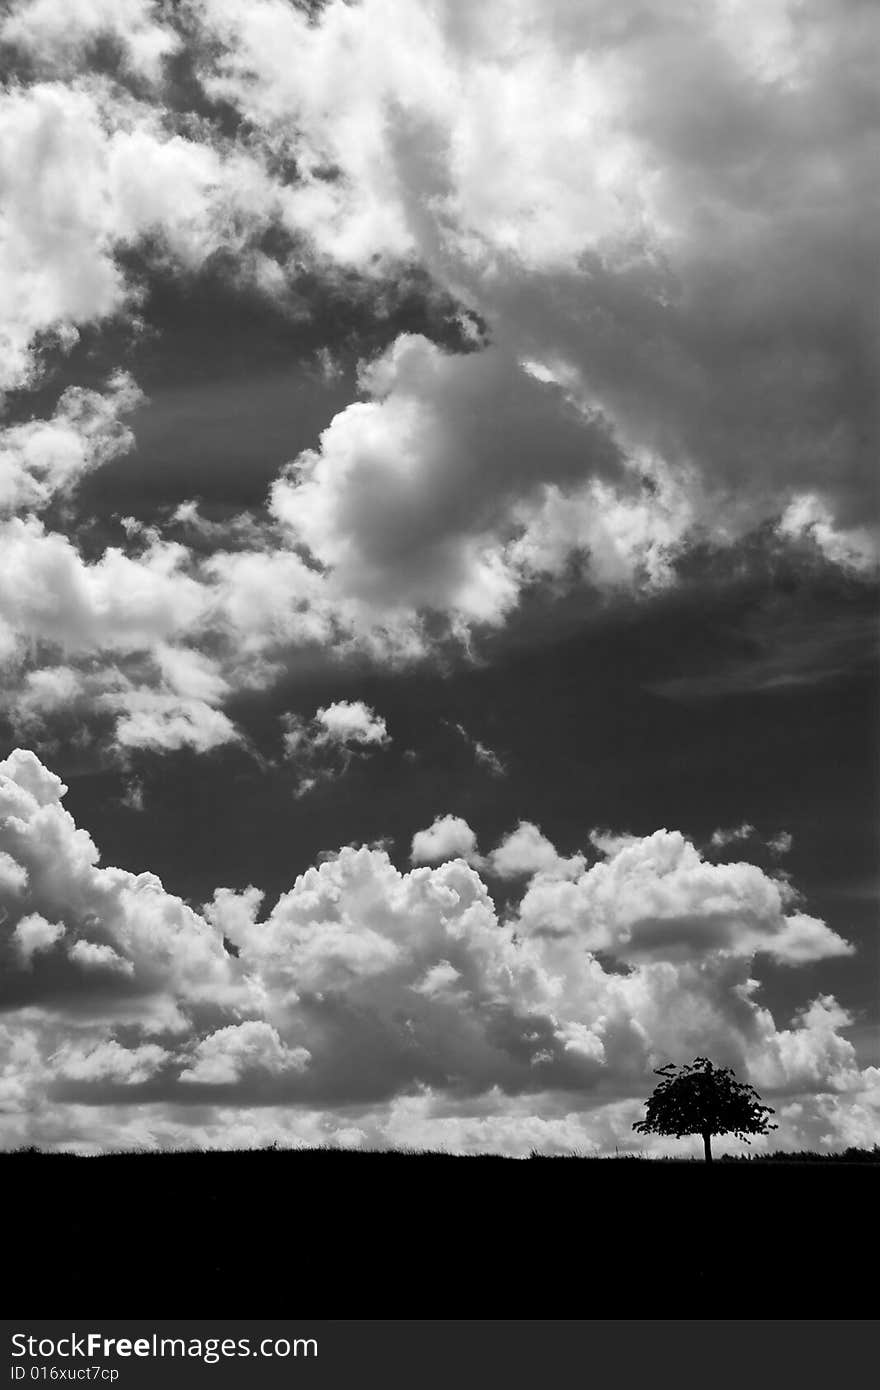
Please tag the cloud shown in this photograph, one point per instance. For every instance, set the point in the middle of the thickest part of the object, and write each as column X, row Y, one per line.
column 811, row 518
column 58, row 36
column 33, row 934
column 44, row 457
column 663, row 343
column 526, row 852
column 722, row 837
column 162, row 722
column 227, row 1055
column 170, row 702
column 665, row 330
column 449, row 837
column 101, row 938
column 486, row 757
column 88, row 171
column 133, row 795
column 780, row 843
column 413, row 493
column 351, row 722
column 323, row 748
column 93, row 955
column 379, row 1005
column 699, row 280
column 667, row 337
column 655, row 898
column 108, row 1061
column 118, row 604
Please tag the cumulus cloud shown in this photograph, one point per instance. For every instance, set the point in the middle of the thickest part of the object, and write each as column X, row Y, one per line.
column 149, row 709
column 108, row 1061
column 87, row 171
column 413, row 493
column 163, row 722
column 95, row 934
column 449, row 837
column 526, row 852
column 349, row 723
column 34, row 934
column 120, row 603
column 94, row 955
column 402, row 1001
column 228, row 1054
column 657, row 898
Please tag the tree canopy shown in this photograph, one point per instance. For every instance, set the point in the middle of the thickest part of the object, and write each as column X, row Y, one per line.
column 703, row 1099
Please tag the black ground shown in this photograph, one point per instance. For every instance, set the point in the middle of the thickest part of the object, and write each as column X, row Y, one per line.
column 334, row 1234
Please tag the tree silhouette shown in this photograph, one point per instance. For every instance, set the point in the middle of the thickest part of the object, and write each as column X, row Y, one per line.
column 703, row 1099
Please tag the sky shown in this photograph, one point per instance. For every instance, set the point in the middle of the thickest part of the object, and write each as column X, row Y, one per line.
column 439, row 542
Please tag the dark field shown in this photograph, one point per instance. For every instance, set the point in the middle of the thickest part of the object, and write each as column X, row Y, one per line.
column 328, row 1233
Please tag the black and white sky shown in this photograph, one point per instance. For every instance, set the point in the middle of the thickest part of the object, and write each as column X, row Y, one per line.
column 438, row 568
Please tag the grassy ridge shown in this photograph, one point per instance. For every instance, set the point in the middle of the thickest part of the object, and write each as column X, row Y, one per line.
column 340, row 1233
column 850, row 1155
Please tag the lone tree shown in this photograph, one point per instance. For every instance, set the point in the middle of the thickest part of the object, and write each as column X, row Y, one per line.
column 703, row 1099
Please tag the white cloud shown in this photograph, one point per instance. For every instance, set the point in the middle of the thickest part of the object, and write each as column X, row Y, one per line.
column 612, row 238
column 440, row 979
column 778, row 844
column 810, row 517
column 41, row 458
column 228, row 1054
column 348, row 722
column 45, row 691
column 613, row 246
column 675, row 349
column 663, row 361
column 525, row 852
column 414, row 493
column 364, row 988
column 488, row 758
column 413, row 1122
column 13, row 876
column 108, row 1061
column 727, row 836
column 655, row 898
column 33, row 935
column 119, row 603
column 93, row 955
column 163, row 722
column 156, row 958
column 57, row 34
column 324, row 747
column 449, row 837
column 85, row 171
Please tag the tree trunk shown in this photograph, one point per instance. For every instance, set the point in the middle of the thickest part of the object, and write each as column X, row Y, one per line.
column 707, row 1147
